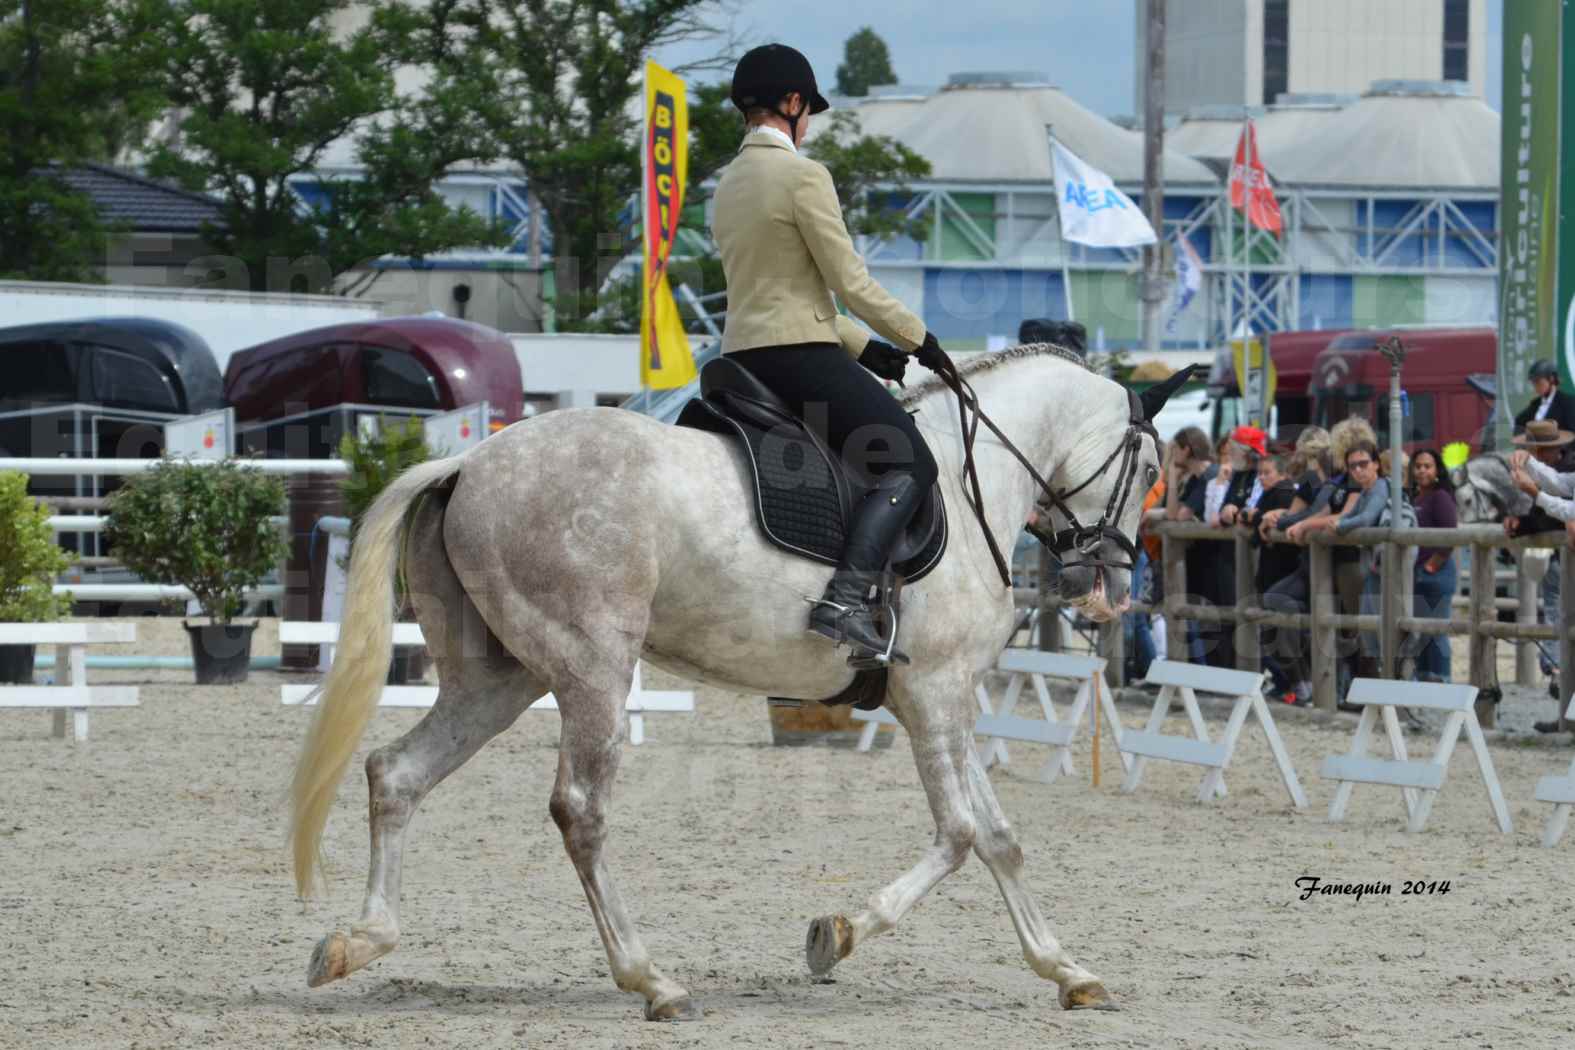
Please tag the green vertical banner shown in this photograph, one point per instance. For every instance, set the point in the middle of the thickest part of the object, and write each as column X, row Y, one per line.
column 1529, row 203
column 1565, row 317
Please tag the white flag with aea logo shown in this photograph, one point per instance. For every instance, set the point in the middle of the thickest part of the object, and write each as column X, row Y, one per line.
column 1093, row 211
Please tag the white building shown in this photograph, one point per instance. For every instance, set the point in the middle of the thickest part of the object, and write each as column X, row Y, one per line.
column 1249, row 52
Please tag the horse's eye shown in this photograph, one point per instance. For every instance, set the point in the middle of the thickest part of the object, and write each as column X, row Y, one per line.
column 1150, row 475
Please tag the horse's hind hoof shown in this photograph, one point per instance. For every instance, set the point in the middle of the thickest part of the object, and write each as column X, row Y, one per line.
column 830, row 940
column 1088, row 996
column 685, row 1009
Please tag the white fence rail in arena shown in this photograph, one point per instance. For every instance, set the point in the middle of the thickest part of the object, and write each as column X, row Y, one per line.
column 71, row 693
column 641, row 701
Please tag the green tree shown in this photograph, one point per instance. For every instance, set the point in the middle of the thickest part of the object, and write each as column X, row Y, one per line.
column 75, row 75
column 265, row 87
column 561, row 81
column 715, row 130
column 865, row 63
column 871, row 173
column 30, row 556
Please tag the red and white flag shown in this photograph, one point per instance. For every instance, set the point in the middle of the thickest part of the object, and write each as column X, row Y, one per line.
column 1250, row 190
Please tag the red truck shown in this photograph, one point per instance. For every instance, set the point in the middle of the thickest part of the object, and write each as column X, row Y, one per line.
column 1294, row 355
column 1351, row 377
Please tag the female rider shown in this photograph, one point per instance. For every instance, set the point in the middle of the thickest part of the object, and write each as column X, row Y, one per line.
column 785, row 249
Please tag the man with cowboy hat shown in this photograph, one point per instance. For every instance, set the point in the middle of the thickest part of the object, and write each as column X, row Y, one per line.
column 1533, row 470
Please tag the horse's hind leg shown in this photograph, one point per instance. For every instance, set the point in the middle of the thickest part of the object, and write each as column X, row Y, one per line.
column 996, row 845
column 588, row 756
column 482, row 691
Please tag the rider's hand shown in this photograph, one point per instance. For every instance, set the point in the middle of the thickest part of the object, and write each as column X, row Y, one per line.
column 884, row 360
column 930, row 354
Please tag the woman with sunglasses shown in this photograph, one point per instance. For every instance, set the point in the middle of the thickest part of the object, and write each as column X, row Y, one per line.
column 1361, row 466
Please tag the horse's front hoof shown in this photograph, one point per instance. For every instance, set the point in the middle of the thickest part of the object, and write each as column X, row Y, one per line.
column 830, row 940
column 685, row 1009
column 1088, row 996
column 330, row 960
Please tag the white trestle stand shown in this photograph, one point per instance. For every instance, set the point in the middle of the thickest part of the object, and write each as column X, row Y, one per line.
column 1183, row 681
column 995, row 727
column 1419, row 782
column 1561, row 792
column 641, row 701
column 71, row 691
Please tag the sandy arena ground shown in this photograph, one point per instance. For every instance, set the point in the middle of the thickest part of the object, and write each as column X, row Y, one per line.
column 145, row 899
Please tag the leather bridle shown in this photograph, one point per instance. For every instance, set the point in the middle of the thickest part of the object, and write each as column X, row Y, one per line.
column 1085, row 540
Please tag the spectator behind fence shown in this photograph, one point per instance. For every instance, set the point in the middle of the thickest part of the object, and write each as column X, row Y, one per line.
column 1276, row 561
column 1286, row 646
column 1248, row 445
column 1210, row 578
column 1344, row 561
column 1537, row 469
column 1361, row 467
column 1218, row 485
column 1435, row 575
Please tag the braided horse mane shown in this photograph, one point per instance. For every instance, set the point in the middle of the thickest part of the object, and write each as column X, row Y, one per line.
column 978, row 363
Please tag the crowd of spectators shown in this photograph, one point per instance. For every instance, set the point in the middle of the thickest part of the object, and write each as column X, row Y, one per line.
column 1331, row 481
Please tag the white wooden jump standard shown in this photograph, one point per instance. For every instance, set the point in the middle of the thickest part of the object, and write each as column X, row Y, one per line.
column 1180, row 680
column 307, row 632
column 72, row 693
column 1561, row 792
column 1419, row 781
column 1025, row 666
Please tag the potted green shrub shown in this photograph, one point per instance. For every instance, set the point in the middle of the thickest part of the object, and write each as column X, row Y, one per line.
column 209, row 529
column 29, row 561
column 373, row 460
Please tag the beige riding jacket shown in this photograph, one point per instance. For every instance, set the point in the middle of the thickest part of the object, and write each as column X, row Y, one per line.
column 785, row 249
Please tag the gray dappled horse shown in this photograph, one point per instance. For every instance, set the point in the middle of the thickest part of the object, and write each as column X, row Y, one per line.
column 1486, row 494
column 559, row 552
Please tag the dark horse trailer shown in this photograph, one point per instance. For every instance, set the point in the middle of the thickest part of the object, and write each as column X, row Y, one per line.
column 101, row 387
column 295, row 397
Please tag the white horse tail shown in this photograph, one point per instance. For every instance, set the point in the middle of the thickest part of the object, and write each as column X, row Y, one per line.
column 350, row 692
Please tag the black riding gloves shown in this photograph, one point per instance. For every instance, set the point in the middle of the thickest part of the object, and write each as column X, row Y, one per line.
column 884, row 360
column 930, row 354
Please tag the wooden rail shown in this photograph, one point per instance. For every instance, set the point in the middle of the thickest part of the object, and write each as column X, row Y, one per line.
column 1480, row 624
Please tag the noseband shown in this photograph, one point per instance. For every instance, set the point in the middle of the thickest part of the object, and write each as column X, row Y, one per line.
column 1084, row 539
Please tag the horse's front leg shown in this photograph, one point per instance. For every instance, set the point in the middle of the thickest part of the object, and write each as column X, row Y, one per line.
column 939, row 721
column 996, row 845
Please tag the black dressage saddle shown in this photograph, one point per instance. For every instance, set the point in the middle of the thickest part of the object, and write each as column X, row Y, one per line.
column 805, row 495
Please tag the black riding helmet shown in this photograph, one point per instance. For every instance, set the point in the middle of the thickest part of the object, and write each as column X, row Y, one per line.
column 768, row 74
column 1544, row 370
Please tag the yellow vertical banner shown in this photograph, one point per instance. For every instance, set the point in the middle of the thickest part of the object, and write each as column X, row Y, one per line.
column 665, row 358
column 1255, row 378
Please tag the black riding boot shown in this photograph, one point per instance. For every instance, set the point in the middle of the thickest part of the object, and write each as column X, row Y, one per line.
column 844, row 612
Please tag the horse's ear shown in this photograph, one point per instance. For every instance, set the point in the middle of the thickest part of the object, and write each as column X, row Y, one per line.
column 1153, row 399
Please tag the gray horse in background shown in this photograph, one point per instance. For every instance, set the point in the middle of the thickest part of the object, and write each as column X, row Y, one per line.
column 560, row 551
column 1485, row 494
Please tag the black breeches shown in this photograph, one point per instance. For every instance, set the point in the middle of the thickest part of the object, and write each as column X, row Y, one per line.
column 846, row 405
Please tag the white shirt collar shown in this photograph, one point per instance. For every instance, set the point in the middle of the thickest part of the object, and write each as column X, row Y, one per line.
column 766, row 129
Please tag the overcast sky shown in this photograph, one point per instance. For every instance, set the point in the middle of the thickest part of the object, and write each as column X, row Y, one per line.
column 1083, row 46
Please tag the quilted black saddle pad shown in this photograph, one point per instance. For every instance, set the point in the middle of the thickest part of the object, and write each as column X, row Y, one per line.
column 804, row 495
